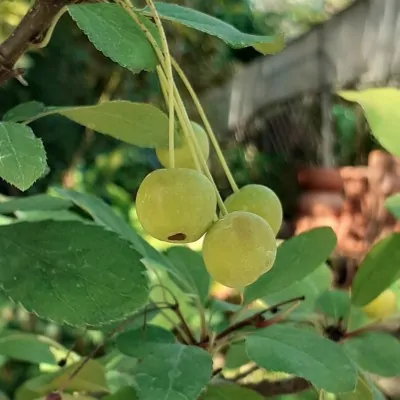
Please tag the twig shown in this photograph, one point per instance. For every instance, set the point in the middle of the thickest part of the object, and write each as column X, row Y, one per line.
column 28, row 32
column 256, row 319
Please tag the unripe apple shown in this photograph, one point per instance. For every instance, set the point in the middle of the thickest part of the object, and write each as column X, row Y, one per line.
column 260, row 200
column 176, row 205
column 183, row 155
column 382, row 306
column 238, row 249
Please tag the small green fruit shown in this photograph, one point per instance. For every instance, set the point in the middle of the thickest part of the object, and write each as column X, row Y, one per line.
column 183, row 155
column 238, row 249
column 176, row 205
column 384, row 305
column 259, row 200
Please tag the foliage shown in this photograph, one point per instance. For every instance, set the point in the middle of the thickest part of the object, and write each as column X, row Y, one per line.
column 67, row 258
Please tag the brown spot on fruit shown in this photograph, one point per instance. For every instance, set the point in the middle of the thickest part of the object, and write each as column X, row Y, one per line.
column 179, row 237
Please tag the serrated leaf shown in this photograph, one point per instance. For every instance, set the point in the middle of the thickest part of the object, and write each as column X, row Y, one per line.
column 71, row 272
column 38, row 202
column 125, row 393
column 216, row 27
column 305, row 354
column 113, row 32
column 22, row 155
column 140, row 124
column 310, row 287
column 188, row 270
column 296, row 258
column 375, row 352
column 91, row 378
column 392, row 203
column 229, row 392
column 334, row 304
column 24, row 111
column 380, row 106
column 175, row 372
column 140, row 342
column 379, row 269
column 27, row 347
column 104, row 215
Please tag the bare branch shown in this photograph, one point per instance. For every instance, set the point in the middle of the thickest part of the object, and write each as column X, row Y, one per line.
column 29, row 31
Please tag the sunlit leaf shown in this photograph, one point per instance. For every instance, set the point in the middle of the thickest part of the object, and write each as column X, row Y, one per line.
column 379, row 269
column 380, row 106
column 22, row 155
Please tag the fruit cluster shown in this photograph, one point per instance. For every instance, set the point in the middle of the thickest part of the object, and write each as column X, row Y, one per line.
column 179, row 205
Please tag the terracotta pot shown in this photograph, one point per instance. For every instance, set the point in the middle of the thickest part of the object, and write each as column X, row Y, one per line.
column 320, row 203
column 320, row 179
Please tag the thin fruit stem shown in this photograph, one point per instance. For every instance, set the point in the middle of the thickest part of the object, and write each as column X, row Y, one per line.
column 192, row 148
column 191, row 138
column 170, row 78
column 207, row 125
column 181, row 112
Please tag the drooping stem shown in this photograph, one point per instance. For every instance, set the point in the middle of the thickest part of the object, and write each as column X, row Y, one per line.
column 207, row 125
column 191, row 138
column 170, row 78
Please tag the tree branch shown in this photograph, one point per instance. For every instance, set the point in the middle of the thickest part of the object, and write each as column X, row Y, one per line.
column 279, row 388
column 29, row 31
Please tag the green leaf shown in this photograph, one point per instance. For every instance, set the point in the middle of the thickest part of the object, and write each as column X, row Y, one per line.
column 38, row 202
column 91, row 378
column 22, row 155
column 230, row 392
column 27, row 347
column 140, row 124
column 103, row 215
column 125, row 393
column 380, row 106
column 296, row 258
column 305, row 354
column 61, row 215
column 140, row 342
column 71, row 272
column 188, row 267
column 378, row 270
column 375, row 352
column 215, row 27
column 311, row 287
column 175, row 372
column 236, row 356
column 25, row 111
column 363, row 391
column 113, row 32
column 392, row 203
column 334, row 304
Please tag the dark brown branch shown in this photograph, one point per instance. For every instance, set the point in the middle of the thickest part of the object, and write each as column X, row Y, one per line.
column 29, row 31
column 279, row 388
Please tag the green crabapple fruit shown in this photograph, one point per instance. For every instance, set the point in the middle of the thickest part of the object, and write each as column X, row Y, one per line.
column 382, row 306
column 176, row 205
column 259, row 200
column 183, row 155
column 238, row 249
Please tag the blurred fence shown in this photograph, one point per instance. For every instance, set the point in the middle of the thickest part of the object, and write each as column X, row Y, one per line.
column 358, row 47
